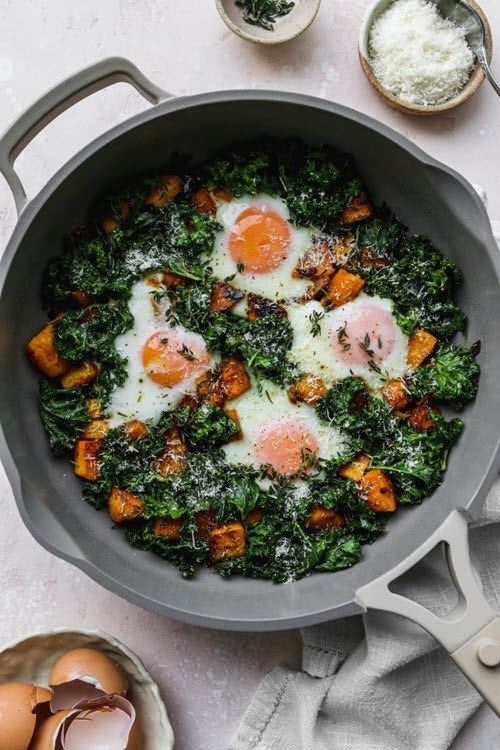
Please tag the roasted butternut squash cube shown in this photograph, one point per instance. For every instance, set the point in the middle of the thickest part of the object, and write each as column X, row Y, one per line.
column 123, row 506
column 205, row 523
column 172, row 280
column 308, row 389
column 43, row 354
column 94, row 408
column 203, row 202
column 83, row 299
column 421, row 417
column 396, row 394
column 259, row 307
column 86, row 459
column 234, row 378
column 168, row 528
column 222, row 195
column 359, row 209
column 378, row 491
column 356, row 468
column 109, row 224
column 233, row 414
column 343, row 287
column 224, row 297
column 82, row 374
column 324, row 519
column 254, row 517
column 165, row 191
column 209, row 388
column 227, row 541
column 96, row 429
column 135, row 429
column 316, row 261
column 174, row 457
column 420, row 346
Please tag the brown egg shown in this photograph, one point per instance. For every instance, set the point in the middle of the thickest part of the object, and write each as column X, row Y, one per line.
column 135, row 737
column 47, row 731
column 17, row 720
column 86, row 662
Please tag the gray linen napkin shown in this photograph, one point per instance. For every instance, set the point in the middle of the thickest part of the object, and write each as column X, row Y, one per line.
column 377, row 681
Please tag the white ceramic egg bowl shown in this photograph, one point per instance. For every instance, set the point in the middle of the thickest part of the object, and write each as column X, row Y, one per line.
column 32, row 658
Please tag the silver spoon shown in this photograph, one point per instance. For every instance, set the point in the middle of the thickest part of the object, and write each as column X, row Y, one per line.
column 464, row 15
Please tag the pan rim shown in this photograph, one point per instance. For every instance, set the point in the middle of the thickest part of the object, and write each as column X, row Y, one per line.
column 107, row 580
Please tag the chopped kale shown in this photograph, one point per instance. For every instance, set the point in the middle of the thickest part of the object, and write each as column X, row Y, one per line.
column 130, row 236
column 452, row 375
column 420, row 281
column 64, row 414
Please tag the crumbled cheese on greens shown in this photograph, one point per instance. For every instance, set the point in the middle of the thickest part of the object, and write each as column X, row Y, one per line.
column 417, row 55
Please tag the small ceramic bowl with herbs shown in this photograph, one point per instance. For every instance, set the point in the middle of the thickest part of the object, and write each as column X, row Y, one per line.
column 268, row 21
column 417, row 58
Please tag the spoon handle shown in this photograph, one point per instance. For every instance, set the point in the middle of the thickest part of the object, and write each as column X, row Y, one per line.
column 483, row 59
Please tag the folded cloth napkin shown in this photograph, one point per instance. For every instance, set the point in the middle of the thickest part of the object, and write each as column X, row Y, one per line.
column 378, row 681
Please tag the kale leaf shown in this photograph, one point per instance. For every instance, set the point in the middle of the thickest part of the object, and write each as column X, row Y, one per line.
column 64, row 414
column 420, row 281
column 452, row 375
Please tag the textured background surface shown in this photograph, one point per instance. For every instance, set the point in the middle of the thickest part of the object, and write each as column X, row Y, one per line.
column 207, row 677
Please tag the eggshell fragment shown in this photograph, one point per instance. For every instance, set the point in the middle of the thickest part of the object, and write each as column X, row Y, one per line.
column 46, row 736
column 19, row 702
column 85, row 674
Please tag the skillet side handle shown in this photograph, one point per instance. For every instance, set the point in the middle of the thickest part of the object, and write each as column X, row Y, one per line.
column 57, row 100
column 471, row 631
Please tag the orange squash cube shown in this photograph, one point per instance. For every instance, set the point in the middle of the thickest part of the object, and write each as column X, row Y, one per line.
column 82, row 374
column 43, row 354
column 420, row 346
column 224, row 297
column 343, row 287
column 233, row 414
column 96, row 429
column 254, row 517
column 308, row 389
column 86, row 459
column 123, row 506
column 174, row 457
column 323, row 519
column 359, row 209
column 396, row 394
column 109, row 224
column 227, row 541
column 203, row 202
column 168, row 528
column 205, row 523
column 378, row 491
column 166, row 191
column 234, row 378
column 356, row 468
column 135, row 429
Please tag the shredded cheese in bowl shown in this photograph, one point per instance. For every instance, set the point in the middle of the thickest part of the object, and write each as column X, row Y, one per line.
column 417, row 55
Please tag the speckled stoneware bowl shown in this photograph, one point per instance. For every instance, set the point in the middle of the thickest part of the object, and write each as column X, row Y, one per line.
column 31, row 660
column 475, row 81
column 286, row 28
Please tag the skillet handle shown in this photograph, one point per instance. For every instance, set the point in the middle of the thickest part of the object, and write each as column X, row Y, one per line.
column 471, row 631
column 60, row 98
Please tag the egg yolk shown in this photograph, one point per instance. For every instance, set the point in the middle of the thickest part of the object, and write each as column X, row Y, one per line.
column 260, row 240
column 285, row 446
column 368, row 335
column 170, row 358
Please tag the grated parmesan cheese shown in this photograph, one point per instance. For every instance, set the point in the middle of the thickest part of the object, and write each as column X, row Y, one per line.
column 417, row 55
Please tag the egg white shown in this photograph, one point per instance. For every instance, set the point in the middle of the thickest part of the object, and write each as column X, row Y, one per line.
column 315, row 355
column 257, row 409
column 276, row 284
column 140, row 397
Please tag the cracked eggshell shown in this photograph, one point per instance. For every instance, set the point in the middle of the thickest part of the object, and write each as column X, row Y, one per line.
column 49, row 731
column 18, row 704
column 32, row 658
column 92, row 667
